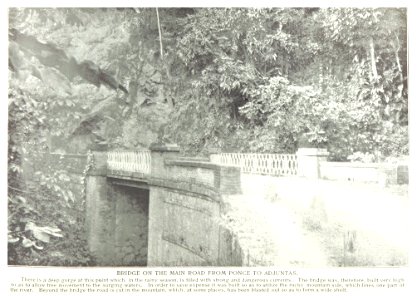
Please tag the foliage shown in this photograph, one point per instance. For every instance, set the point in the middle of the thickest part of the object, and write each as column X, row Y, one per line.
column 51, row 56
column 238, row 79
column 45, row 222
column 269, row 76
column 225, row 66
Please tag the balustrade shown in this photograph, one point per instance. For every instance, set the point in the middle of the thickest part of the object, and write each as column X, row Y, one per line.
column 259, row 163
column 254, row 163
column 131, row 161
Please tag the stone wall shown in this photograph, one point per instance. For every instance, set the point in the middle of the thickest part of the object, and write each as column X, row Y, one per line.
column 224, row 179
column 185, row 211
column 100, row 216
column 183, row 231
column 100, row 212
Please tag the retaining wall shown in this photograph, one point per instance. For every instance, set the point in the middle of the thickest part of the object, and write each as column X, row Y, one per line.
column 185, row 210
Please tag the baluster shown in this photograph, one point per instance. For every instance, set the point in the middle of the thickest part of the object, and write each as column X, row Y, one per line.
column 123, row 161
column 240, row 161
column 275, row 165
column 141, row 161
column 129, row 161
column 261, row 159
column 136, row 162
column 117, row 160
column 269, row 164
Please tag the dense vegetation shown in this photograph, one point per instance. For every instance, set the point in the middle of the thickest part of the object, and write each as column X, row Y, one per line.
column 264, row 80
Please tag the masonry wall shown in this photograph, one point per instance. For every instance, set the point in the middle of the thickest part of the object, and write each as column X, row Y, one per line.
column 224, row 179
column 185, row 212
column 100, row 216
column 100, row 212
column 185, row 230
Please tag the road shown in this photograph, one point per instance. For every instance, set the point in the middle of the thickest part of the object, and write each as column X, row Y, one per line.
column 291, row 221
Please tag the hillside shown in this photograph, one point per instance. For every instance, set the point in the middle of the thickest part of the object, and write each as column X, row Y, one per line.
column 264, row 80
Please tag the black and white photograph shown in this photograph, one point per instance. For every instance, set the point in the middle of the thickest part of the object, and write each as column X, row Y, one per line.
column 208, row 137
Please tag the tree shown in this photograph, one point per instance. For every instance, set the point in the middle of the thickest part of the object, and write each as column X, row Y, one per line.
column 348, row 87
column 44, row 215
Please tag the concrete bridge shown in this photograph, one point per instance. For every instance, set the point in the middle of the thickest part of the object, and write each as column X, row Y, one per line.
column 157, row 209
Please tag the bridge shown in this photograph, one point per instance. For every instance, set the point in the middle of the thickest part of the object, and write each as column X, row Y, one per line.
column 156, row 208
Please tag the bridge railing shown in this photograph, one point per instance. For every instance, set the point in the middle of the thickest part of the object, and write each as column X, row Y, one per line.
column 130, row 161
column 259, row 163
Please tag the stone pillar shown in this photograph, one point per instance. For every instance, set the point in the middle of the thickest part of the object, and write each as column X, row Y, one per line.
column 159, row 152
column 99, row 211
column 309, row 161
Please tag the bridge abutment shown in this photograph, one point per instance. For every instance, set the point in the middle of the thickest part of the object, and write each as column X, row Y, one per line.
column 100, row 212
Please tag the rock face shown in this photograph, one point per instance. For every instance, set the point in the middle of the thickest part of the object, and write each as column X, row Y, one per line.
column 133, row 122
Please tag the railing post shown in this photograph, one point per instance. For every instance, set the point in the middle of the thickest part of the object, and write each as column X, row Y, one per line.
column 159, row 153
column 309, row 161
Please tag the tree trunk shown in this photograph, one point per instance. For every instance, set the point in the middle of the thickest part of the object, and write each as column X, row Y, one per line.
column 321, row 77
column 373, row 61
column 396, row 47
column 160, row 34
